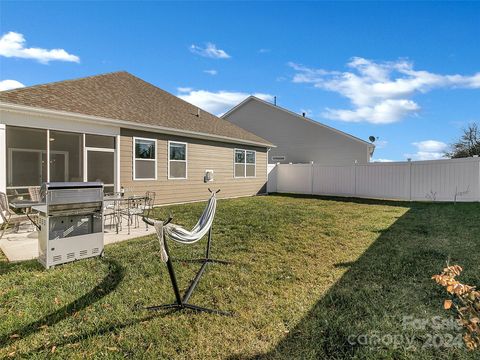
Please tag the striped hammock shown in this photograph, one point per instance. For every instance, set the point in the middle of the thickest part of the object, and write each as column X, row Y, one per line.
column 183, row 236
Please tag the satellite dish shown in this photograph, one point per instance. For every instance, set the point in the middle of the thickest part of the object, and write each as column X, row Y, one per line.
column 372, row 139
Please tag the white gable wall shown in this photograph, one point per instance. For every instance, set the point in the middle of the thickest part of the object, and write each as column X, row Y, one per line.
column 300, row 140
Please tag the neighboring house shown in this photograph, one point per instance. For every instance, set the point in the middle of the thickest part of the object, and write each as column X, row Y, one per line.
column 127, row 133
column 297, row 138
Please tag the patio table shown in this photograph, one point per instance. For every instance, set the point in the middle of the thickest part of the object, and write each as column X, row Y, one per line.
column 25, row 206
column 117, row 199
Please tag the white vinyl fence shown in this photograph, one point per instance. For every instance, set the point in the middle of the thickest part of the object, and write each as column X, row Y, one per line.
column 436, row 180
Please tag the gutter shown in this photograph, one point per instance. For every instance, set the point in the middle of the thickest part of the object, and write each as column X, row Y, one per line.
column 126, row 124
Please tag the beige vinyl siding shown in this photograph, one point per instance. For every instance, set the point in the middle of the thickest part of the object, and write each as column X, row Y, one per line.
column 201, row 155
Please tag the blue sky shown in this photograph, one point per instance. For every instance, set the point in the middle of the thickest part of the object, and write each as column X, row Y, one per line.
column 408, row 73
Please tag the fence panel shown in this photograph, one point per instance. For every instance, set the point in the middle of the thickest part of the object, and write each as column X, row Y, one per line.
column 333, row 180
column 383, row 180
column 295, row 178
column 438, row 180
column 443, row 180
column 272, row 173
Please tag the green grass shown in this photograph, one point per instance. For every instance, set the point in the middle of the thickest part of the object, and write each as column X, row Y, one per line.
column 307, row 274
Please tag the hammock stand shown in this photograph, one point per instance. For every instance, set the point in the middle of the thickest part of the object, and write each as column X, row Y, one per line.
column 181, row 302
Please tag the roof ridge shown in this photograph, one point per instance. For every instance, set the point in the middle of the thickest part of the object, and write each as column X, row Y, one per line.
column 179, row 98
column 67, row 81
column 121, row 95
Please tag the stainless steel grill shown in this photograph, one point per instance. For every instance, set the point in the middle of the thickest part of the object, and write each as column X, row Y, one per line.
column 70, row 221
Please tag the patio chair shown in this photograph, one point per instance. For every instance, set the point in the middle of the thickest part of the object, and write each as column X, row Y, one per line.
column 130, row 209
column 166, row 230
column 9, row 217
column 34, row 192
column 148, row 205
column 110, row 209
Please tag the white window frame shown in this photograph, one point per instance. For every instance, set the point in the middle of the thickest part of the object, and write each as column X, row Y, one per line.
column 135, row 138
column 185, row 161
column 244, row 164
column 85, row 162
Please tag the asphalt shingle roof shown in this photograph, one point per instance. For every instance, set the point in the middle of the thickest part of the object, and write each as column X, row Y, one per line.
column 123, row 96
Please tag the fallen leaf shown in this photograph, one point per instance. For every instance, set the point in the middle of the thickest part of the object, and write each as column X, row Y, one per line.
column 14, row 336
column 447, row 304
column 57, row 301
column 53, row 349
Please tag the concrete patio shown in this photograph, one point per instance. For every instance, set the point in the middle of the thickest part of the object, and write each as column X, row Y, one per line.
column 23, row 245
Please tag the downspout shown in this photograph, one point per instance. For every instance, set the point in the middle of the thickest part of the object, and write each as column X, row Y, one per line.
column 266, row 187
column 3, row 158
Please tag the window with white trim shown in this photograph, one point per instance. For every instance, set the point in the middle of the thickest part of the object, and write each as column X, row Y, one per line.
column 144, row 159
column 177, row 160
column 244, row 163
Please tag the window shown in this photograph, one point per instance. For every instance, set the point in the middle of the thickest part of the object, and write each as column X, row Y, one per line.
column 177, row 160
column 244, row 163
column 144, row 159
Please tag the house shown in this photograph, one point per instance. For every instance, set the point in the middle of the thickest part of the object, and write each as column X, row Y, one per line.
column 297, row 138
column 127, row 133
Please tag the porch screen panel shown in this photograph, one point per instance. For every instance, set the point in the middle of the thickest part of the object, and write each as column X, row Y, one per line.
column 66, row 156
column 99, row 141
column 101, row 166
column 26, row 157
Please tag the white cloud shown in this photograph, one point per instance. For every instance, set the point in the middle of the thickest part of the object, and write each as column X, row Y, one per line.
column 384, row 112
column 210, row 51
column 382, row 160
column 381, row 144
column 210, row 72
column 264, row 51
column 10, row 84
column 12, row 44
column 218, row 102
column 380, row 92
column 428, row 150
column 184, row 89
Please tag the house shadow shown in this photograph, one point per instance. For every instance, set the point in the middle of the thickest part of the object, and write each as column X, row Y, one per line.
column 355, row 200
column 108, row 284
column 390, row 281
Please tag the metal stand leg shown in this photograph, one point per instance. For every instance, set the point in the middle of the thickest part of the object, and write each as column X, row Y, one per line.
column 182, row 302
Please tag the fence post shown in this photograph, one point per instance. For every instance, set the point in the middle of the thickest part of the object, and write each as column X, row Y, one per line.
column 355, row 178
column 311, row 177
column 478, row 163
column 410, row 179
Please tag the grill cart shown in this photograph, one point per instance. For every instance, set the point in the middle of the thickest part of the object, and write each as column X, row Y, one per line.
column 70, row 222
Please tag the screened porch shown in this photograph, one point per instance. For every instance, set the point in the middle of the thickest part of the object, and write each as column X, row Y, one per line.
column 34, row 156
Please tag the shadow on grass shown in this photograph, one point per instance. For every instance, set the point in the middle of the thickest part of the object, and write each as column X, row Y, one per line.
column 389, row 281
column 106, row 286
column 110, row 328
column 30, row 265
column 346, row 199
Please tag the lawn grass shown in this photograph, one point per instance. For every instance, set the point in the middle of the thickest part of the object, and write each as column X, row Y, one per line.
column 308, row 274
